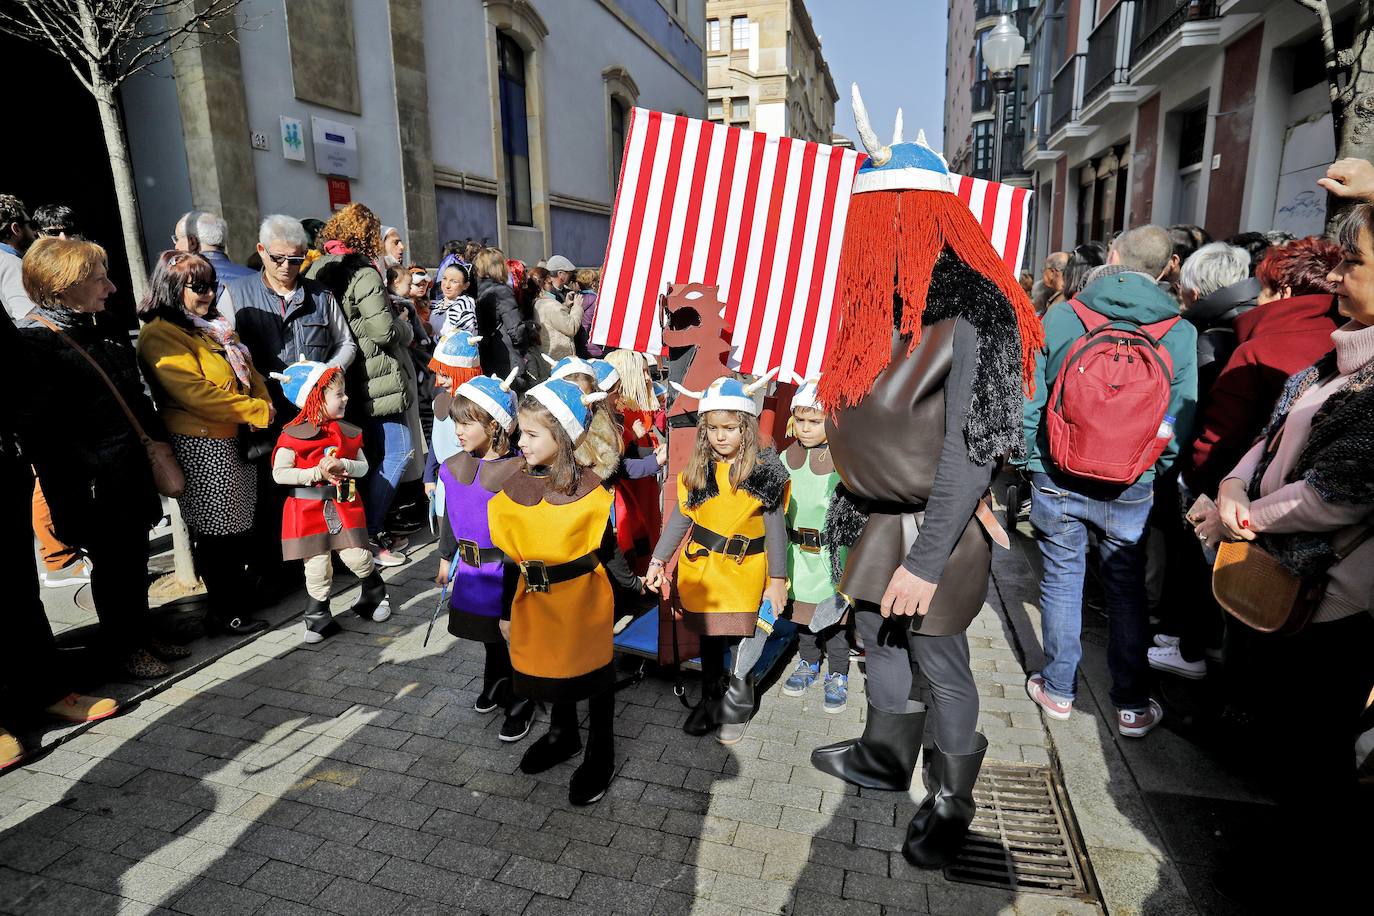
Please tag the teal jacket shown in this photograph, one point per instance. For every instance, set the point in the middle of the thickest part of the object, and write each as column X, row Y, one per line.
column 1127, row 295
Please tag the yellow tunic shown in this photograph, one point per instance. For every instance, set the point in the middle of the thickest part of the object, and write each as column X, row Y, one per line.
column 560, row 640
column 719, row 596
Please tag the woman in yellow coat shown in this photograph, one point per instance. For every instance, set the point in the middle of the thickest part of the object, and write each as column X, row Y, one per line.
column 552, row 520
column 731, row 497
column 207, row 392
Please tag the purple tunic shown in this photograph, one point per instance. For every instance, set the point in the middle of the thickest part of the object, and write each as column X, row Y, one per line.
column 476, row 599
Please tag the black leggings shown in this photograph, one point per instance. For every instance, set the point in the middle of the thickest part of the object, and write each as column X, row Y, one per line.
column 601, row 716
column 221, row 560
column 832, row 641
column 943, row 663
column 497, row 664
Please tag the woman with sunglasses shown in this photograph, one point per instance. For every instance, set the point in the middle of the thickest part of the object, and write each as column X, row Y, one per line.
column 207, row 392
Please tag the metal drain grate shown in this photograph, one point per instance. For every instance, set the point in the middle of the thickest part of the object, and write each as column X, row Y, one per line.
column 1020, row 838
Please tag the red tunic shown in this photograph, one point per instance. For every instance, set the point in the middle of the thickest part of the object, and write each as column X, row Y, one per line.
column 308, row 529
column 637, row 514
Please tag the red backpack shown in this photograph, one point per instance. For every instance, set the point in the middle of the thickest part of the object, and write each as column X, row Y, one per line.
column 1110, row 398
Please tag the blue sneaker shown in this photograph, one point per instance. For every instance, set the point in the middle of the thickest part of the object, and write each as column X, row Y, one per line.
column 802, row 678
column 836, row 692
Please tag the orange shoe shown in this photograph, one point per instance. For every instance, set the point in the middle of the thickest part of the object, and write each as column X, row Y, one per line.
column 75, row 707
column 11, row 751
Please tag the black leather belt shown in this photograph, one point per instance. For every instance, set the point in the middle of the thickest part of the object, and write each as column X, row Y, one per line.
column 808, row 539
column 324, row 494
column 472, row 555
column 884, row 507
column 539, row 576
column 736, row 547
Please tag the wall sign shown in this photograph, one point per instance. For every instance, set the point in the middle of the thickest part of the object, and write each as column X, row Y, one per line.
column 340, row 193
column 292, row 139
column 336, row 147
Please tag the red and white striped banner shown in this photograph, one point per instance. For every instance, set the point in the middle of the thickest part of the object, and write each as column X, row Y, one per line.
column 1004, row 213
column 758, row 216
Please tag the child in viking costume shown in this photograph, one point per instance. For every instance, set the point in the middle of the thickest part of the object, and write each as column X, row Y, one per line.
column 482, row 412
column 731, row 496
column 320, row 457
column 638, row 517
column 925, row 380
column 455, row 361
column 602, row 430
column 552, row 522
column 814, row 481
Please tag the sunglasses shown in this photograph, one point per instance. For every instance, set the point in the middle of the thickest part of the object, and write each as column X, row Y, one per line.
column 280, row 259
column 200, row 288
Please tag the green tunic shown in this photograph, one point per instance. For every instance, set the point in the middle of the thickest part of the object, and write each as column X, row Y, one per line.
column 813, row 483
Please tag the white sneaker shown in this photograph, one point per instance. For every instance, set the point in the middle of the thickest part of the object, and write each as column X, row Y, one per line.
column 1164, row 640
column 1170, row 659
column 312, row 637
column 383, row 611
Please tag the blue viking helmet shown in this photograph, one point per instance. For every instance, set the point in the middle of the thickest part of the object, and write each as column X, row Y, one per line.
column 901, row 165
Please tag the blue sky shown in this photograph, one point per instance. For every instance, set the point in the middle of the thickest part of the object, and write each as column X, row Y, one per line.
column 895, row 51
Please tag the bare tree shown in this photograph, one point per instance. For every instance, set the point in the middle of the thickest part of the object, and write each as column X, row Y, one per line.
column 105, row 42
column 1350, row 82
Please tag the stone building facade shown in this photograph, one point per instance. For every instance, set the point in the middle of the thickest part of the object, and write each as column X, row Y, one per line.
column 766, row 71
column 971, row 101
column 496, row 119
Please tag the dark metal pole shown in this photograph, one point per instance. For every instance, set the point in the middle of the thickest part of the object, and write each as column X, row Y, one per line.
column 1001, row 110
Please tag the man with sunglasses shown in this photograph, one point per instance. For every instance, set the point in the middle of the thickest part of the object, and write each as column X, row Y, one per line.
column 16, row 235
column 283, row 317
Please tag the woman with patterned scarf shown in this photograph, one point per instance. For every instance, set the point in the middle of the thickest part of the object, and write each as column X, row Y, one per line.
column 208, row 394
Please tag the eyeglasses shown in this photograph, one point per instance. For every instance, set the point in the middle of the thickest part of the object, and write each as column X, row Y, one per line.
column 200, row 288
column 280, row 259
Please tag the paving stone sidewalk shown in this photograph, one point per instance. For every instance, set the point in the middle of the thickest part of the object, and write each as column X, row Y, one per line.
column 354, row 777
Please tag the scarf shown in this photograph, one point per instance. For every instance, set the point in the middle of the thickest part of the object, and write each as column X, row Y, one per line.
column 219, row 330
column 1335, row 459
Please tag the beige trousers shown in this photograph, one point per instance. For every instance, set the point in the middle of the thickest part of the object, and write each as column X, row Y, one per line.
column 319, row 570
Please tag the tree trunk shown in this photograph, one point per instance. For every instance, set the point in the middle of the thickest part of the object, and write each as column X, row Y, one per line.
column 126, row 192
column 1352, row 105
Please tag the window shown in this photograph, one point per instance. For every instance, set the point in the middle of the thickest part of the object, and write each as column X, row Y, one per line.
column 715, row 109
column 1192, row 137
column 739, row 109
column 619, row 116
column 739, row 33
column 982, row 149
column 515, row 134
column 713, row 34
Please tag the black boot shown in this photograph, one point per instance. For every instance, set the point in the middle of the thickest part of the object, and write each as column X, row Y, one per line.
column 705, row 716
column 593, row 777
column 937, row 831
column 519, row 718
column 319, row 623
column 493, row 692
column 373, row 604
column 736, row 709
column 561, row 742
column 883, row 758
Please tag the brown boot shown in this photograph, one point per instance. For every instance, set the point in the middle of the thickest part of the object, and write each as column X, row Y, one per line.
column 11, row 751
column 141, row 664
column 76, row 707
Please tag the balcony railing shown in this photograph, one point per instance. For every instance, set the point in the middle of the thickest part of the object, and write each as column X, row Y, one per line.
column 984, row 98
column 1066, row 95
column 1012, row 146
column 983, row 9
column 1156, row 20
column 1109, row 52
column 1037, row 125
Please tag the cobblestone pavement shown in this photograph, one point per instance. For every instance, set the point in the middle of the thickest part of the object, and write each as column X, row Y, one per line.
column 354, row 777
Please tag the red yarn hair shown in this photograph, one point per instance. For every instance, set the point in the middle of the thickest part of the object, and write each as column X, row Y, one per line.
column 313, row 410
column 901, row 234
column 452, row 376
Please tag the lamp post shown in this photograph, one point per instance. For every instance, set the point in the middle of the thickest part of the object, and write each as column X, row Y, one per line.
column 1002, row 50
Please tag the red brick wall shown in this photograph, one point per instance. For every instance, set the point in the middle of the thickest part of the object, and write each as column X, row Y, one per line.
column 1061, row 182
column 1104, row 7
column 1144, row 159
column 1232, row 129
column 1071, row 30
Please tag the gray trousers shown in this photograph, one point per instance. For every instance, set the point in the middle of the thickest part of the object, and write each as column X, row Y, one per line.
column 936, row 666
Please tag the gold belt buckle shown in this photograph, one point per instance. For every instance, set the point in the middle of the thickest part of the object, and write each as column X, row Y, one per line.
column 536, row 575
column 736, row 548
column 470, row 553
column 810, row 540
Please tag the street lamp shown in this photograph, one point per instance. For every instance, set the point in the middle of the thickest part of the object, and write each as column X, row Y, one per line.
column 1002, row 48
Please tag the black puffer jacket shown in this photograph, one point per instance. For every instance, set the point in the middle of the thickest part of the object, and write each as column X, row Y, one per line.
column 504, row 333
column 1213, row 316
column 93, row 468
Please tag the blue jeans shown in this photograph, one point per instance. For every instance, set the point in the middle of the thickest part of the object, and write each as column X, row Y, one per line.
column 1062, row 516
column 386, row 442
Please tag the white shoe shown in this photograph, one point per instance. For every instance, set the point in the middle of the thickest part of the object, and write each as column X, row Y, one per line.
column 312, row 637
column 1171, row 660
column 1164, row 640
column 383, row 611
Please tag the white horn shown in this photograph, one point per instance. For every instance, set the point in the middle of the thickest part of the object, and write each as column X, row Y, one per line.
column 474, row 340
column 762, row 380
column 549, row 359
column 510, row 379
column 880, row 154
column 589, row 399
column 279, row 376
column 698, row 395
column 897, row 129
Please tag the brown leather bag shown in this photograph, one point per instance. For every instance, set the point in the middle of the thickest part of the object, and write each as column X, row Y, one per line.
column 167, row 474
column 1256, row 589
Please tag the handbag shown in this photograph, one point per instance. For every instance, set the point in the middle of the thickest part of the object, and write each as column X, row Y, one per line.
column 1260, row 592
column 254, row 443
column 167, row 474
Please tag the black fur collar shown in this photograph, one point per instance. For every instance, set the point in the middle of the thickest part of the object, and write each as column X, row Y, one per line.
column 767, row 482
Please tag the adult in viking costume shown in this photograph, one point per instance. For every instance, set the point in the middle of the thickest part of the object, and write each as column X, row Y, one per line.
column 924, row 387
